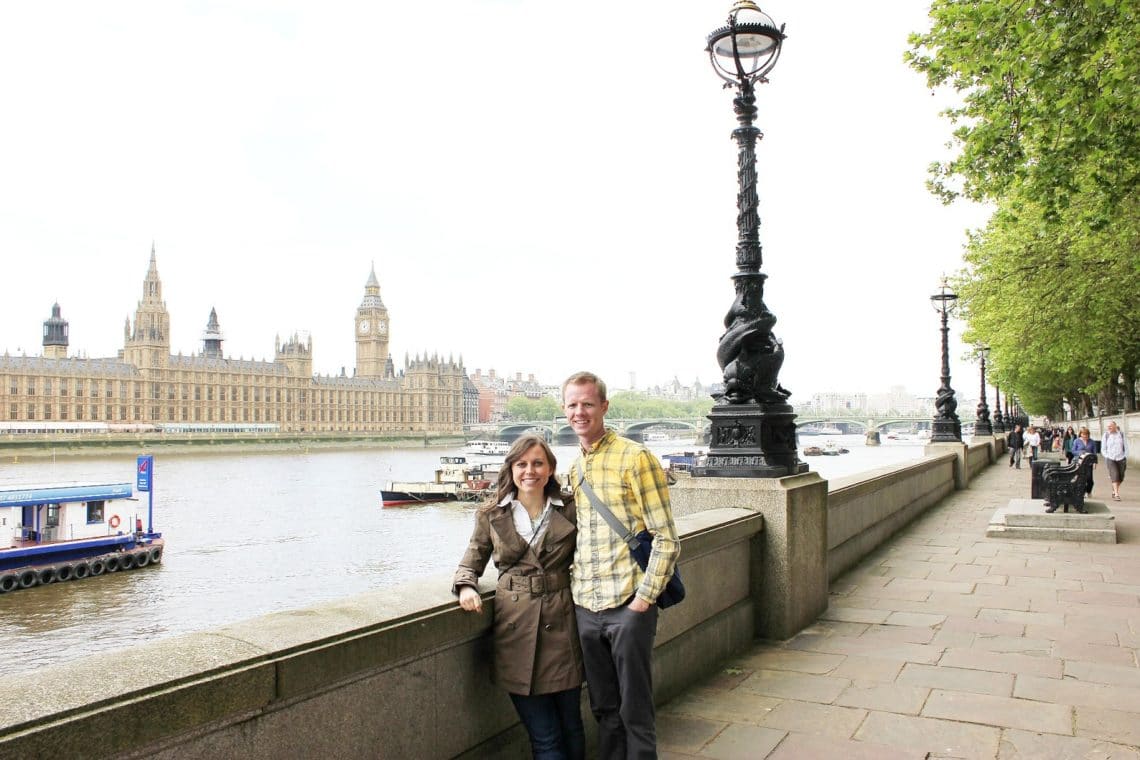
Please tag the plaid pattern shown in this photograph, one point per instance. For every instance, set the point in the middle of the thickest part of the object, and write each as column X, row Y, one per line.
column 629, row 479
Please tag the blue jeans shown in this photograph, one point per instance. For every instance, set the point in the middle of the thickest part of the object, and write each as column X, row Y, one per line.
column 554, row 723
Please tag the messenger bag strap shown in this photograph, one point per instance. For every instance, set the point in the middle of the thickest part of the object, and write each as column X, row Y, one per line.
column 623, row 531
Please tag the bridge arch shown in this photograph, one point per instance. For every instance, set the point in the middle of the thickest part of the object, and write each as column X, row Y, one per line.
column 512, row 433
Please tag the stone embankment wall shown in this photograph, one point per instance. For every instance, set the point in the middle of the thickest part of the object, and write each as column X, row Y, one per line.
column 402, row 672
column 395, row 673
column 27, row 447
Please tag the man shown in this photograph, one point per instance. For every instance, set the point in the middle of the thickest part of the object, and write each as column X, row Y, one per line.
column 613, row 598
column 1115, row 457
column 1016, row 441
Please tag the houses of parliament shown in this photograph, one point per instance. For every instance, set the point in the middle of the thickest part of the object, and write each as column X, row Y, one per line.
column 146, row 387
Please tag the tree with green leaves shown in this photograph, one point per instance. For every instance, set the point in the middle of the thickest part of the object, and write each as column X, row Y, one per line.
column 1047, row 130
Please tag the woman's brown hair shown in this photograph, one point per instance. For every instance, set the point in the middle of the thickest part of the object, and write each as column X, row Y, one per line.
column 506, row 483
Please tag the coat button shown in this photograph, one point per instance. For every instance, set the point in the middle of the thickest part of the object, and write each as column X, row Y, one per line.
column 514, row 597
column 548, row 627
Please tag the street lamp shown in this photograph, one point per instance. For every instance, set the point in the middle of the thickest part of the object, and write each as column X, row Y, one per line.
column 999, row 424
column 946, row 427
column 753, row 431
column 982, row 425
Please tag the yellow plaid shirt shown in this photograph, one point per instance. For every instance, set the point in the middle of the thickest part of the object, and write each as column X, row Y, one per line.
column 629, row 479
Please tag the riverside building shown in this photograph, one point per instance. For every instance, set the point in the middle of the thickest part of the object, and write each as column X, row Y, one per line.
column 146, row 387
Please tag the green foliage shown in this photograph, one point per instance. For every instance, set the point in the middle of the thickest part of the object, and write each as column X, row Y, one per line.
column 1048, row 130
column 523, row 409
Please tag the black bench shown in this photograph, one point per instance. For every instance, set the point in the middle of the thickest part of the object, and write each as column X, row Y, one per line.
column 1065, row 485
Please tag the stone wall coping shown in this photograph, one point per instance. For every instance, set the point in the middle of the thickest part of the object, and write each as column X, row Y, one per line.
column 854, row 486
column 283, row 655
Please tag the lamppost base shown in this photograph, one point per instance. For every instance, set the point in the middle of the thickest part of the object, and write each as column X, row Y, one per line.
column 944, row 430
column 752, row 441
column 983, row 429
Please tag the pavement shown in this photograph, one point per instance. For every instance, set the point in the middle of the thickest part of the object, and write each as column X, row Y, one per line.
column 945, row 643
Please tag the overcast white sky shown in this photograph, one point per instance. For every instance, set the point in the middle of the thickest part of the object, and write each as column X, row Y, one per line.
column 543, row 187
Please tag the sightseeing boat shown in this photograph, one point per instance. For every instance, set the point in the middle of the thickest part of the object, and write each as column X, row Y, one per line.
column 58, row 533
column 487, row 448
column 455, row 480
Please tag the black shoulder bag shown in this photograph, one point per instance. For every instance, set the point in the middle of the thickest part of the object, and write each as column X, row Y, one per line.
column 640, row 546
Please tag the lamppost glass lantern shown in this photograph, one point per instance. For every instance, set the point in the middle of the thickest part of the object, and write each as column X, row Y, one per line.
column 747, row 47
column 982, row 425
column 946, row 427
column 753, row 430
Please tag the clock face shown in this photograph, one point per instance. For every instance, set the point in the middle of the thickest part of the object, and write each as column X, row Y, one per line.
column 381, row 328
column 364, row 325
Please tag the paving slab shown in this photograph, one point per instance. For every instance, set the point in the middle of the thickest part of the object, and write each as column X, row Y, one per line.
column 811, row 718
column 958, row 679
column 1027, row 745
column 1004, row 712
column 1119, row 726
column 743, row 743
column 887, row 697
column 939, row 738
column 791, row 685
column 797, row 746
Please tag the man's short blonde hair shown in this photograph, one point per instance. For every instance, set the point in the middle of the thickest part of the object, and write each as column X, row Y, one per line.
column 581, row 378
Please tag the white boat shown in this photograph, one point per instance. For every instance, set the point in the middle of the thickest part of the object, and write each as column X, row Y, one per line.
column 487, row 448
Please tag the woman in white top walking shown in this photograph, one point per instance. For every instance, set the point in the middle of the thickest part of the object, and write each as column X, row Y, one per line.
column 1115, row 457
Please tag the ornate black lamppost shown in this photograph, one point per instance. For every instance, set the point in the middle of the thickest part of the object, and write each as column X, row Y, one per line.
column 753, row 432
column 999, row 424
column 982, row 425
column 946, row 427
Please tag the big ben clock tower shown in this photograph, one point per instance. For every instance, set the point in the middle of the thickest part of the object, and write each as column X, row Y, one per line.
column 371, row 331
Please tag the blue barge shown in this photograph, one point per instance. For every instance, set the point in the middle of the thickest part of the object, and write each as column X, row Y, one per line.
column 56, row 533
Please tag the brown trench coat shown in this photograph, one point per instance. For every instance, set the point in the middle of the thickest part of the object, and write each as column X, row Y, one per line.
column 536, row 636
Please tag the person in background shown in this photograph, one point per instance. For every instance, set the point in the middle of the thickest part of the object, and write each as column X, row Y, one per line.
column 1067, row 444
column 1085, row 445
column 531, row 531
column 1115, row 457
column 615, row 601
column 1058, row 442
column 1033, row 440
column 1016, row 442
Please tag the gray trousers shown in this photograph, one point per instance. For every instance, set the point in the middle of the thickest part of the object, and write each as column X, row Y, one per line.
column 617, row 650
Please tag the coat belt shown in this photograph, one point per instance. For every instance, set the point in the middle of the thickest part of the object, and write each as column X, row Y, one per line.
column 535, row 584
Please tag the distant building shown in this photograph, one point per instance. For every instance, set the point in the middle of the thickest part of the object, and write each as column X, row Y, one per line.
column 147, row 386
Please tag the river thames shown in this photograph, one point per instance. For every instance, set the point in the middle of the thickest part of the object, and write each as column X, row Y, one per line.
column 253, row 533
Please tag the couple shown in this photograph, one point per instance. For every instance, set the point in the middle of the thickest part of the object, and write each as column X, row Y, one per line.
column 569, row 593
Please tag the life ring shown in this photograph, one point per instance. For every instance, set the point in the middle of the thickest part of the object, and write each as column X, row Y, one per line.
column 114, row 521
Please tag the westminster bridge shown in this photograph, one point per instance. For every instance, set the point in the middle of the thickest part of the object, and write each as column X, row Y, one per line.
column 558, row 431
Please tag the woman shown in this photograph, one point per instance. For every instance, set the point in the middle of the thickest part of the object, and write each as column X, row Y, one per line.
column 1067, row 444
column 529, row 530
column 1115, row 457
column 1083, row 445
column 1033, row 440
